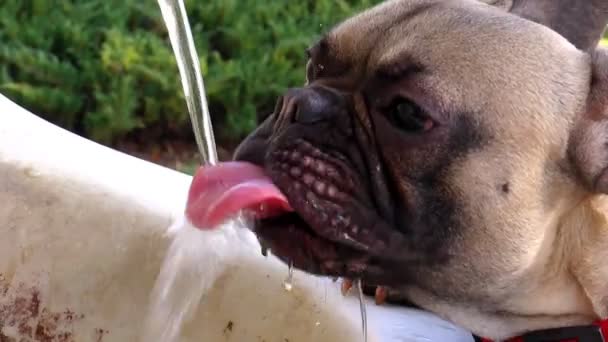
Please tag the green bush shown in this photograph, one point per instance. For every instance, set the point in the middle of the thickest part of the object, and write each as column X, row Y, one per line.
column 105, row 68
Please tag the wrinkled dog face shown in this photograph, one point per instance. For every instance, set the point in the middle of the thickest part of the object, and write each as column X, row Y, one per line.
column 429, row 152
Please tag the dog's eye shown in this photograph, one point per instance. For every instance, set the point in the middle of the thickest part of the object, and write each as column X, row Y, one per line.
column 409, row 117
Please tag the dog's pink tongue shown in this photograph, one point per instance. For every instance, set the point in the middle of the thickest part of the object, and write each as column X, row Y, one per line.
column 221, row 191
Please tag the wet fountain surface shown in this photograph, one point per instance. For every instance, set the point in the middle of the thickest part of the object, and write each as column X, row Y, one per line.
column 197, row 260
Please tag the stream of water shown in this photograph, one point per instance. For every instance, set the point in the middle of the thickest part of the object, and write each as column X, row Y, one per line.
column 195, row 258
column 194, row 261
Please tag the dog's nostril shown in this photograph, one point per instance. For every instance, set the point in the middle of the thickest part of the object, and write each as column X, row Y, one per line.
column 308, row 105
column 314, row 105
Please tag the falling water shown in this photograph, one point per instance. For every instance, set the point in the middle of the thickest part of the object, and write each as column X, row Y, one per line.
column 288, row 283
column 359, row 286
column 195, row 258
column 176, row 20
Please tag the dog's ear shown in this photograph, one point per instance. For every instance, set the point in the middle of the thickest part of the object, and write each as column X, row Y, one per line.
column 582, row 22
column 588, row 145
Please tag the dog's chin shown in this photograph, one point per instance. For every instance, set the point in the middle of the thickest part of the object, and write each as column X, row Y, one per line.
column 295, row 242
column 329, row 232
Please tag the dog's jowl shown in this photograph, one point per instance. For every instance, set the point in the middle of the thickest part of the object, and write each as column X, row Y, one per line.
column 456, row 153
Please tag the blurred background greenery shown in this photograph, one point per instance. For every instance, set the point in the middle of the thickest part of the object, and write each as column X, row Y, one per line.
column 104, row 69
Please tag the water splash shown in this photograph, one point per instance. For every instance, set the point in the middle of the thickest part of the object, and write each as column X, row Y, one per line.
column 288, row 282
column 194, row 261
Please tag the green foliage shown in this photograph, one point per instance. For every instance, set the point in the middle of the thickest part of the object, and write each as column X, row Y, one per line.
column 105, row 68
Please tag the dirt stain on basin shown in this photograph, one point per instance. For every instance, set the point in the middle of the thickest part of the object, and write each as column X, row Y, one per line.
column 24, row 319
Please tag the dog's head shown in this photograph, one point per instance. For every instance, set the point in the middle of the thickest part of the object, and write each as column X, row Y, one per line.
column 446, row 149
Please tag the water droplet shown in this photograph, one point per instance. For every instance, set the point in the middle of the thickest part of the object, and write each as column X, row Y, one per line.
column 317, row 323
column 30, row 172
column 287, row 286
column 288, row 282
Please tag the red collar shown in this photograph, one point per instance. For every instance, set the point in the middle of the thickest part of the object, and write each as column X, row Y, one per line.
column 596, row 332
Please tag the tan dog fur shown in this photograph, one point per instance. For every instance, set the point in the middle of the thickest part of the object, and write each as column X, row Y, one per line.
column 541, row 254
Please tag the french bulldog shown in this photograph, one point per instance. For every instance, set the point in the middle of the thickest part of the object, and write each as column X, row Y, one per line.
column 454, row 153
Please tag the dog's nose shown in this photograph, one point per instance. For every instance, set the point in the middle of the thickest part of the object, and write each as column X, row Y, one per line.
column 315, row 105
column 310, row 105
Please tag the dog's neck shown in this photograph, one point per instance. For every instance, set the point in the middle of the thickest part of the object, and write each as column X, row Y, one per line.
column 565, row 286
column 571, row 275
column 575, row 278
column 587, row 229
column 571, row 285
